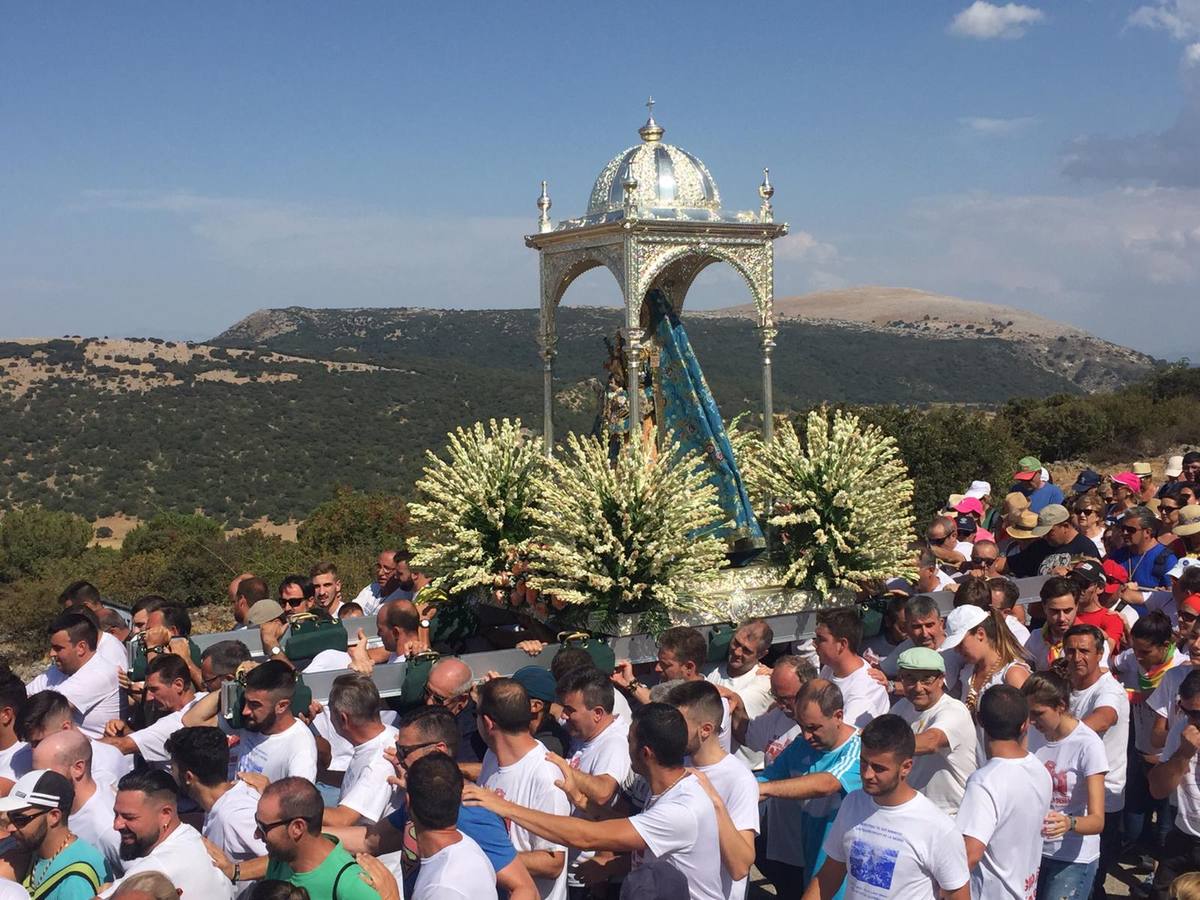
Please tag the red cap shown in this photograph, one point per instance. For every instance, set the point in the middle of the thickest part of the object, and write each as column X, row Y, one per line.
column 1116, row 575
column 1192, row 603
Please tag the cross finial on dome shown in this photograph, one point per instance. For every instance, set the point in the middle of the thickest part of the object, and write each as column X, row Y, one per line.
column 651, row 131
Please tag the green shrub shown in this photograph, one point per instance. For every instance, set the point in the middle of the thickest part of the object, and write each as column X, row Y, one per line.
column 32, row 537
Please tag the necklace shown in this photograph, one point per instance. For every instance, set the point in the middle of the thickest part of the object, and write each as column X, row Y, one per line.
column 972, row 686
column 36, row 877
column 673, row 783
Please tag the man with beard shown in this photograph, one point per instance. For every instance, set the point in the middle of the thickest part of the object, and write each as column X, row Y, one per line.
column 154, row 840
column 327, row 587
column 888, row 835
column 63, row 867
column 740, row 676
column 169, row 694
column 1059, row 542
column 289, row 820
column 69, row 754
column 271, row 740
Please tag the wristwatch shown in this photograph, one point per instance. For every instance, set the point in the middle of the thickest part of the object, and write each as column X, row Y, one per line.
column 1071, row 827
column 276, row 650
column 425, row 623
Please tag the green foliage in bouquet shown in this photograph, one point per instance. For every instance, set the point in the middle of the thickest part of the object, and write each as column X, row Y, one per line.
column 843, row 502
column 475, row 513
column 630, row 538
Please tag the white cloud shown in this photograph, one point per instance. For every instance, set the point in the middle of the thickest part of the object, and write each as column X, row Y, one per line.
column 985, row 21
column 997, row 127
column 1191, row 55
column 800, row 246
column 1179, row 18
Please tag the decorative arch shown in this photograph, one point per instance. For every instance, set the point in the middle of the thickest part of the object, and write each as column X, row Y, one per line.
column 657, row 263
column 559, row 269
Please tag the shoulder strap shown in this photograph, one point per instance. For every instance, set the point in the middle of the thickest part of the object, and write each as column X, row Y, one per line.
column 1159, row 568
column 338, row 879
column 81, row 869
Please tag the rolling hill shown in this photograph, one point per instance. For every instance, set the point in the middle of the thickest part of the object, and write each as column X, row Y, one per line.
column 270, row 416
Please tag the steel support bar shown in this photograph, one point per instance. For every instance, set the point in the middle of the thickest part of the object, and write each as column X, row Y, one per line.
column 637, row 648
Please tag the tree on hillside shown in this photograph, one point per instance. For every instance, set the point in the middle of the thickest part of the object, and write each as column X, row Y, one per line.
column 355, row 520
column 31, row 537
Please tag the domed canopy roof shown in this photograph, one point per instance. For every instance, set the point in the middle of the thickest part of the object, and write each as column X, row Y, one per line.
column 668, row 177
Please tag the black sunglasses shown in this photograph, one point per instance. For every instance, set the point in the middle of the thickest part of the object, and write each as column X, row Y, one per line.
column 404, row 751
column 23, row 819
column 294, row 601
column 264, row 828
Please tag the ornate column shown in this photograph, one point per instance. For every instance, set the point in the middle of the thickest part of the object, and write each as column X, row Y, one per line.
column 768, row 345
column 633, row 353
column 548, row 354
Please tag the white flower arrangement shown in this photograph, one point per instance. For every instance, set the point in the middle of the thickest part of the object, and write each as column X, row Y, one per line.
column 630, row 538
column 475, row 514
column 842, row 502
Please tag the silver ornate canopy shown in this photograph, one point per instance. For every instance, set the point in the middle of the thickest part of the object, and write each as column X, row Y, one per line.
column 655, row 221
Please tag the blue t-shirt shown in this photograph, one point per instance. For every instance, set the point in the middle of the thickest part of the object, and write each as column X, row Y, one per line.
column 1045, row 495
column 800, row 758
column 76, row 873
column 1149, row 570
column 482, row 826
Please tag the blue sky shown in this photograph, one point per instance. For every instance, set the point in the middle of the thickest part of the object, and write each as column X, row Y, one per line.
column 169, row 168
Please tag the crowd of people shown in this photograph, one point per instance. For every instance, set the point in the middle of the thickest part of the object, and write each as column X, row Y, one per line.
column 945, row 739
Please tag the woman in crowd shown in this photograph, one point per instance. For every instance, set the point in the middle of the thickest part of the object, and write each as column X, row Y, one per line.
column 991, row 655
column 1088, row 511
column 1074, row 756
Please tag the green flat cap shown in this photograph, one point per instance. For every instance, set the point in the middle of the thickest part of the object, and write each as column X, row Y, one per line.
column 921, row 659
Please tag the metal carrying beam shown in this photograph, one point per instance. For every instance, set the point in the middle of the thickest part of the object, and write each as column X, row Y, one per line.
column 637, row 648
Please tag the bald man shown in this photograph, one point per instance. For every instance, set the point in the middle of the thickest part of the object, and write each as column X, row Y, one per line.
column 69, row 753
column 449, row 685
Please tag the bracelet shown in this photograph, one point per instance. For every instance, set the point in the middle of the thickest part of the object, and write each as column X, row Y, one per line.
column 237, row 871
column 1071, row 827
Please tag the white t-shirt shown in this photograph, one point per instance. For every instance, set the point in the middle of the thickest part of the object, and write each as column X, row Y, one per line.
column 93, row 692
column 755, row 691
column 152, row 740
column 10, row 890
column 738, row 790
column 530, row 782
column 328, row 661
column 230, row 825
column 458, row 872
column 942, row 776
column 109, row 763
column 1018, row 629
column 93, row 822
column 1187, row 795
column 863, row 697
column 183, row 859
column 910, row 851
column 365, row 787
column 1003, row 808
column 16, row 761
column 1069, row 762
column 605, row 754
column 1162, row 701
column 291, row 752
column 1142, row 715
column 368, row 598
column 1107, row 691
column 770, row 734
column 679, row 827
column 115, row 653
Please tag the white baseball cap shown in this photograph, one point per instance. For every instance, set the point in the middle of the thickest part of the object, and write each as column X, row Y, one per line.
column 961, row 621
column 981, row 489
column 1184, row 563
